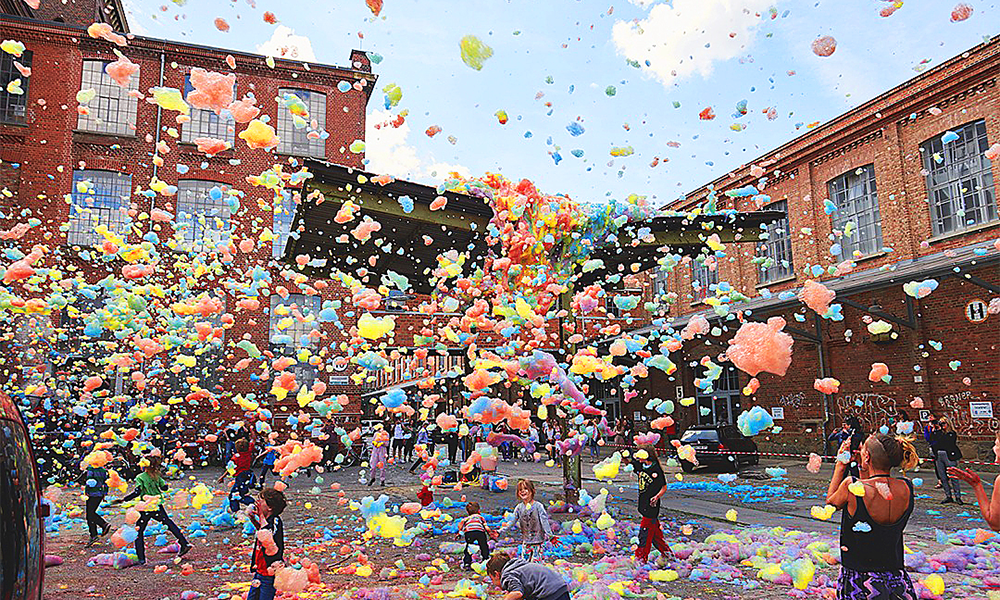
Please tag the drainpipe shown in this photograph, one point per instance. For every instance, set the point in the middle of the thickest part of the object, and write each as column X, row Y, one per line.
column 821, row 351
column 159, row 119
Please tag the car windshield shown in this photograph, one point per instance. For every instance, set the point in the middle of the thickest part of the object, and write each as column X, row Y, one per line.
column 700, row 435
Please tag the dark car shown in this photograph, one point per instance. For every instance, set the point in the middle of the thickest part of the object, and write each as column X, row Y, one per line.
column 721, row 446
column 22, row 559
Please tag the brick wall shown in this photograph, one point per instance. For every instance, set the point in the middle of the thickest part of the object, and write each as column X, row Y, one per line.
column 887, row 133
column 48, row 148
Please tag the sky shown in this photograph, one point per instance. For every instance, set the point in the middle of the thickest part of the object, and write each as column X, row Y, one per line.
column 581, row 80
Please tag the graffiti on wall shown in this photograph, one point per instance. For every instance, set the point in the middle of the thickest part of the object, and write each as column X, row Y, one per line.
column 956, row 408
column 791, row 400
column 873, row 410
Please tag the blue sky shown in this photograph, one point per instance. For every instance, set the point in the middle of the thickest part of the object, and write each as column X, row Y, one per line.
column 571, row 51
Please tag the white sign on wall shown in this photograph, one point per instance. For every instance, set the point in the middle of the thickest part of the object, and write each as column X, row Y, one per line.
column 778, row 412
column 679, row 392
column 976, row 311
column 339, row 380
column 981, row 410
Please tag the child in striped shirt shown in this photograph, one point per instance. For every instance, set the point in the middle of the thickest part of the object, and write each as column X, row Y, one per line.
column 475, row 528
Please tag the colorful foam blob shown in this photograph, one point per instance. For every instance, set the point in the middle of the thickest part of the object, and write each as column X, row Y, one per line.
column 760, row 347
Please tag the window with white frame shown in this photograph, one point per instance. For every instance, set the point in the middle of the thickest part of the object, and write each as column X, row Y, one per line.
column 14, row 107
column 959, row 180
column 702, row 280
column 776, row 250
column 293, row 319
column 112, row 110
column 857, row 215
column 205, row 123
column 294, row 136
column 98, row 198
column 284, row 214
column 202, row 213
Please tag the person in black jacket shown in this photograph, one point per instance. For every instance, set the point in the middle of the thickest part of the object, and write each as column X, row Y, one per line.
column 945, row 444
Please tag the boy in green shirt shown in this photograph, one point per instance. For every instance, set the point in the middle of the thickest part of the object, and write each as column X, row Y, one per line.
column 152, row 487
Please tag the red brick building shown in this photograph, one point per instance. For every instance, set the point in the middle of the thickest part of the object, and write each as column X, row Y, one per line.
column 73, row 172
column 913, row 202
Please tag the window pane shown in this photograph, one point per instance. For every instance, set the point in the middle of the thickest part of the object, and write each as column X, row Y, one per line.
column 702, row 278
column 959, row 180
column 296, row 134
column 292, row 320
column 202, row 213
column 207, row 124
column 857, row 214
column 777, row 249
column 99, row 198
column 284, row 213
column 13, row 107
column 112, row 110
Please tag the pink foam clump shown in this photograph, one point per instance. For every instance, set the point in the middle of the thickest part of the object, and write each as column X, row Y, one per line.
column 817, row 296
column 961, row 12
column 879, row 370
column 211, row 146
column 291, row 580
column 815, row 462
column 760, row 347
column 698, row 325
column 212, row 91
column 266, row 539
column 104, row 31
column 244, row 110
column 365, row 229
column 827, row 385
column 121, row 71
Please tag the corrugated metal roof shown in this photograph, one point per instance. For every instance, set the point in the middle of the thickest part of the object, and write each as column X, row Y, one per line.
column 925, row 267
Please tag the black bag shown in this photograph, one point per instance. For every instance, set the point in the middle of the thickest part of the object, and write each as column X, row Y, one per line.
column 450, row 477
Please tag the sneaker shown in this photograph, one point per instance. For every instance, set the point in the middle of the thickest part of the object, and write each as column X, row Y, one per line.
column 959, row 501
column 382, row 483
column 105, row 531
column 138, row 563
column 184, row 550
column 370, row 482
column 93, row 540
column 662, row 562
column 947, row 501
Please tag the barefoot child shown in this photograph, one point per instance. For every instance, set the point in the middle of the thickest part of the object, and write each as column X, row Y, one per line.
column 269, row 544
column 475, row 529
column 530, row 517
column 524, row 580
column 151, row 486
column 243, row 473
column 988, row 506
column 652, row 486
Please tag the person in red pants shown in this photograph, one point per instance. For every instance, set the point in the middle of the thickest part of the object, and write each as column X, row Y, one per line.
column 652, row 486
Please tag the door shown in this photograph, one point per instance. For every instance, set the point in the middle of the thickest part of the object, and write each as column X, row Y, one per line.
column 723, row 404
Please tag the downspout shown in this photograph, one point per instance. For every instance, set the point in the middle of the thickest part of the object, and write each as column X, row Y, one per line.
column 159, row 118
column 821, row 350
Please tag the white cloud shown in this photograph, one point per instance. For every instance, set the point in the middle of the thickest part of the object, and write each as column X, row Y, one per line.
column 285, row 44
column 389, row 152
column 689, row 36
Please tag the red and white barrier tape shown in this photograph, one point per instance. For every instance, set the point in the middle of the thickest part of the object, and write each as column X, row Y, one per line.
column 783, row 455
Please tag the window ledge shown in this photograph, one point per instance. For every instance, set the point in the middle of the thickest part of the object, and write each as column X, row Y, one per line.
column 13, row 124
column 966, row 231
column 775, row 282
column 124, row 136
column 868, row 257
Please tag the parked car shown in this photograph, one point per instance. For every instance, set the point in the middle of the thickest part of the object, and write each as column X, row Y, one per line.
column 721, row 446
column 22, row 535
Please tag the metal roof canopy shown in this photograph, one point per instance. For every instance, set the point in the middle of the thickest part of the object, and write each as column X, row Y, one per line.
column 401, row 245
column 948, row 263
